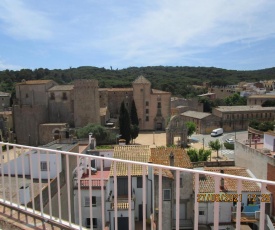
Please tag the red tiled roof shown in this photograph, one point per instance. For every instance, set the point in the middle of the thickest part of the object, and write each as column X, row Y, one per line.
column 207, row 184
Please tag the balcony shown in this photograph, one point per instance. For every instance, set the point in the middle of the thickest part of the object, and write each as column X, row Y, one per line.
column 63, row 190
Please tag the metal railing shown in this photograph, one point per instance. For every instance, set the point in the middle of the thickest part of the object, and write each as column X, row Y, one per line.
column 60, row 197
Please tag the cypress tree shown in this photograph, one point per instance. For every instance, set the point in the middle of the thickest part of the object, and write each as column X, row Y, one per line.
column 134, row 116
column 124, row 123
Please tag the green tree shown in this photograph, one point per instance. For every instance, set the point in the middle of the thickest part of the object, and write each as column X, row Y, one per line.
column 134, row 121
column 203, row 154
column 268, row 103
column 215, row 145
column 99, row 132
column 124, row 123
column 191, row 128
column 198, row 155
column 133, row 114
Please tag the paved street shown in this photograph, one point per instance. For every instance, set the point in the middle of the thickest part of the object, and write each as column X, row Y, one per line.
column 205, row 139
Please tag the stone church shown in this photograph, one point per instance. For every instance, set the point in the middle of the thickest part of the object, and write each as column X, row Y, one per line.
column 44, row 110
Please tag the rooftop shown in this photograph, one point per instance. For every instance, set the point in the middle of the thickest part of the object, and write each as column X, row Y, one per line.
column 139, row 153
column 207, row 184
column 156, row 91
column 240, row 108
column 142, row 79
column 116, row 89
column 196, row 114
column 61, row 88
column 34, row 82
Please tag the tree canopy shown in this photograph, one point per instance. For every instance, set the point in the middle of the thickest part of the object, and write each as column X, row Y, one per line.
column 124, row 123
column 198, row 155
column 191, row 128
column 215, row 145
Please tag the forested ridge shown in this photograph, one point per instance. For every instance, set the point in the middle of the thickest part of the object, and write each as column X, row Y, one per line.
column 177, row 80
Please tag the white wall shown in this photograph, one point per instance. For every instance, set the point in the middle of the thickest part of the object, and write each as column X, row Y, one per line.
column 269, row 142
column 35, row 166
column 96, row 211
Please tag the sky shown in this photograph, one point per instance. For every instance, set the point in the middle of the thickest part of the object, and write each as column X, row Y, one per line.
column 59, row 34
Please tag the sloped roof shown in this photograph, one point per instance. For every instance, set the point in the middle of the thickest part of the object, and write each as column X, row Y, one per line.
column 162, row 156
column 34, row 82
column 142, row 79
column 140, row 153
column 196, row 114
column 62, row 88
column 116, row 89
column 156, row 91
column 207, row 185
column 243, row 108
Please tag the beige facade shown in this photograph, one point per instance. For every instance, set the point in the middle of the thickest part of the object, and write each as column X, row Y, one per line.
column 222, row 92
column 260, row 99
column 234, row 118
column 113, row 97
column 205, row 122
column 43, row 101
column 4, row 101
column 153, row 106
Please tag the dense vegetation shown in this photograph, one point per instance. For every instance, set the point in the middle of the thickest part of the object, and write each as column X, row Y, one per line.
column 177, row 80
column 101, row 134
column 198, row 155
column 209, row 104
column 262, row 126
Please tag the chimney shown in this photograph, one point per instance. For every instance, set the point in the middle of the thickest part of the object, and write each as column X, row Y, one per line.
column 172, row 161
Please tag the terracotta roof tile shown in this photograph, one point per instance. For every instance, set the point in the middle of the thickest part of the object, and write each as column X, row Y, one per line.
column 142, row 79
column 139, row 153
column 34, row 82
column 207, row 184
column 162, row 156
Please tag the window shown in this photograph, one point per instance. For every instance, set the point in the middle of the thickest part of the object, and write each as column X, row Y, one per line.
column 122, row 186
column 43, row 165
column 88, row 222
column 64, row 96
column 27, row 95
column 159, row 105
column 87, row 201
column 139, row 182
column 166, row 194
column 141, row 90
column 147, row 103
column 147, row 118
column 201, row 213
column 52, row 97
column 147, row 111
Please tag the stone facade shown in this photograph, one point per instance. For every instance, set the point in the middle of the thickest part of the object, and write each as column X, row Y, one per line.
column 205, row 122
column 259, row 99
column 235, row 118
column 86, row 102
column 153, row 106
column 43, row 101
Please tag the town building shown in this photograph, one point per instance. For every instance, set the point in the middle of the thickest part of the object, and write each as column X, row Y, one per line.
column 205, row 122
column 260, row 99
column 5, row 101
column 228, row 197
column 235, row 118
column 44, row 102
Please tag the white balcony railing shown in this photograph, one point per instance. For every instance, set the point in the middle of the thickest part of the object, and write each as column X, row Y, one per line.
column 60, row 198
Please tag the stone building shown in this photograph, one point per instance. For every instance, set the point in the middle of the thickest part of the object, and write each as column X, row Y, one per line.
column 235, row 118
column 153, row 106
column 260, row 99
column 205, row 122
column 4, row 101
column 113, row 97
column 43, row 101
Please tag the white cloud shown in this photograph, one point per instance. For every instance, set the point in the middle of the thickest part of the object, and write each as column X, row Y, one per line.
column 4, row 66
column 20, row 21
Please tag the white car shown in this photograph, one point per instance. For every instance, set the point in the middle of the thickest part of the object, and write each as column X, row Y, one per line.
column 230, row 141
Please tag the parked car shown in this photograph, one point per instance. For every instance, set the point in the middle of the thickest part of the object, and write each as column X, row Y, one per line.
column 230, row 141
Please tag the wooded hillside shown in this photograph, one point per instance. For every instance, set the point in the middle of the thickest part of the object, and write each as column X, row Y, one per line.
column 177, row 80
